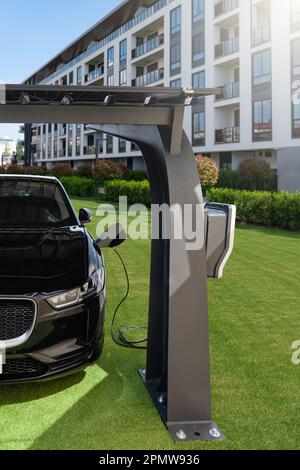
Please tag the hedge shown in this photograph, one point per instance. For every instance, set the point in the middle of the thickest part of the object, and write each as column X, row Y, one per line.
column 280, row 210
column 229, row 178
column 77, row 186
column 137, row 192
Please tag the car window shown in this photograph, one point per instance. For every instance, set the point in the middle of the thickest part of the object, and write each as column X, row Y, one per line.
column 33, row 203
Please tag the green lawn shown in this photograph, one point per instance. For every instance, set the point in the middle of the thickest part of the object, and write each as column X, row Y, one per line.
column 254, row 318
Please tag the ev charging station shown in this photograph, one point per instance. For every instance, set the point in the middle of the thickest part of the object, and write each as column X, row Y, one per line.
column 177, row 374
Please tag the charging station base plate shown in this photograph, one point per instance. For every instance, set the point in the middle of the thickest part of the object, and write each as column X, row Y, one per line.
column 188, row 431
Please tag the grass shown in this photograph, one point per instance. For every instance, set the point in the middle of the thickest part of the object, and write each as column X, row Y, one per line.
column 254, row 319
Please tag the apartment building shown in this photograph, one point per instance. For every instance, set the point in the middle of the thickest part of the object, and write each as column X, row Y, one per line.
column 249, row 49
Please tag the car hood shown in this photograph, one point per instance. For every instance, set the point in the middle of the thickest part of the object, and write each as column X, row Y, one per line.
column 42, row 259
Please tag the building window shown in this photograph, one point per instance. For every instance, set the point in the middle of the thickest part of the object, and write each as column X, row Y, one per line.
column 122, row 146
column 110, row 57
column 79, row 75
column 262, row 67
column 176, row 21
column 175, row 53
column 176, row 83
column 198, row 128
column 110, row 80
column 123, row 77
column 198, row 49
column 109, row 144
column 71, row 78
column 262, row 117
column 123, row 52
column 198, row 10
column 198, row 81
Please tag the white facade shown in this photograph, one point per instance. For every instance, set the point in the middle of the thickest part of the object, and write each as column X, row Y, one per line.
column 250, row 47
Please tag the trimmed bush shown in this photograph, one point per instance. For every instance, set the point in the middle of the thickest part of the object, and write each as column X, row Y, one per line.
column 85, row 171
column 138, row 192
column 281, row 210
column 61, row 169
column 105, row 170
column 229, row 178
column 80, row 187
column 135, row 175
column 35, row 170
column 208, row 172
column 254, row 174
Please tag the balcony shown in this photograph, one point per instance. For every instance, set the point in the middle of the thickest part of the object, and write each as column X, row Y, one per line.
column 149, row 78
column 227, row 47
column 89, row 150
column 229, row 135
column 148, row 46
column 226, row 6
column 94, row 74
column 229, row 91
column 261, row 35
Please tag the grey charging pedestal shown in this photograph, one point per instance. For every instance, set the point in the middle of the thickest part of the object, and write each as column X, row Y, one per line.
column 177, row 374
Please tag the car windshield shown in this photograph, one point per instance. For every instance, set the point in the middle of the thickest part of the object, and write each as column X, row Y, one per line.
column 33, row 203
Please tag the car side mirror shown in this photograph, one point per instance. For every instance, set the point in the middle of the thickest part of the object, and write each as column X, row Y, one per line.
column 85, row 216
column 114, row 236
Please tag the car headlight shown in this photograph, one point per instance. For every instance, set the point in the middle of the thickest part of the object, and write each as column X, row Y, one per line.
column 66, row 299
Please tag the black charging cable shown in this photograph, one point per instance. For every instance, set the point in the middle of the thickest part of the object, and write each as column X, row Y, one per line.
column 120, row 338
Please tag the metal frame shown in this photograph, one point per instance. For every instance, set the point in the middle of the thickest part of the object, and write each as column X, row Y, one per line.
column 177, row 375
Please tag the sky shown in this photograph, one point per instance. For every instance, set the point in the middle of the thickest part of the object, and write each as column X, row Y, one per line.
column 33, row 31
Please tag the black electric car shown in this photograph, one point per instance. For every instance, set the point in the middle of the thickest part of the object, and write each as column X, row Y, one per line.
column 52, row 282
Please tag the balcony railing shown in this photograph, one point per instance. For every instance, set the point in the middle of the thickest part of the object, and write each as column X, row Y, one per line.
column 229, row 135
column 229, row 91
column 227, row 47
column 89, row 150
column 132, row 23
column 148, row 46
column 225, row 7
column 149, row 78
column 97, row 73
column 261, row 35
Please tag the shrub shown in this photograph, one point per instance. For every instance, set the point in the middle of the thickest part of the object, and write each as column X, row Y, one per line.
column 280, row 210
column 106, row 170
column 85, row 171
column 14, row 170
column 254, row 173
column 80, row 187
column 138, row 192
column 228, row 178
column 61, row 169
column 135, row 175
column 208, row 171
column 35, row 170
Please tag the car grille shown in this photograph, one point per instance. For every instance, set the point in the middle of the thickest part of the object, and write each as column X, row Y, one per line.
column 16, row 318
column 22, row 366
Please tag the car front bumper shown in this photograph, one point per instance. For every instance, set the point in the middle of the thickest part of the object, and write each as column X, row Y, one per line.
column 61, row 342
